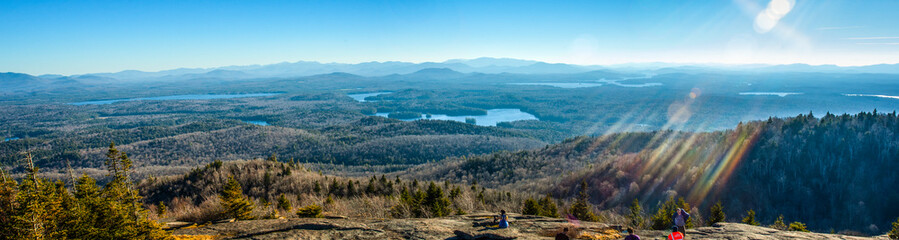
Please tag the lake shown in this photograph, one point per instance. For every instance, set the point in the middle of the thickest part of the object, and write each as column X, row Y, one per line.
column 870, row 95
column 586, row 85
column 779, row 94
column 260, row 123
column 176, row 97
column 493, row 116
column 638, row 85
column 10, row 139
column 561, row 85
column 361, row 96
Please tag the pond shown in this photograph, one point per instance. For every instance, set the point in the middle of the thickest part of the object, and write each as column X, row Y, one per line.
column 10, row 139
column 360, row 97
column 870, row 95
column 260, row 123
column 176, row 97
column 493, row 116
column 779, row 94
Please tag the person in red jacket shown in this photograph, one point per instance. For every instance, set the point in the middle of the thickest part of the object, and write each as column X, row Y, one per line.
column 675, row 235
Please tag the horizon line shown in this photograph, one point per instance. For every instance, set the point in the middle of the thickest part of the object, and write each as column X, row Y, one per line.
column 679, row 64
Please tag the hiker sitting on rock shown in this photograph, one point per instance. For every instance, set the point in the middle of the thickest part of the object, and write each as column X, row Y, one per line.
column 503, row 219
column 563, row 235
column 631, row 235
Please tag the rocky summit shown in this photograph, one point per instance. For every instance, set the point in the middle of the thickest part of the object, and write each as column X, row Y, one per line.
column 471, row 226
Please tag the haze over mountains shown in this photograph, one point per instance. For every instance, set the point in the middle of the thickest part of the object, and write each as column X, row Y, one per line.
column 478, row 65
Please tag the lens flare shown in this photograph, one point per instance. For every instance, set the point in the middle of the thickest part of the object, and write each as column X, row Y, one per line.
column 725, row 165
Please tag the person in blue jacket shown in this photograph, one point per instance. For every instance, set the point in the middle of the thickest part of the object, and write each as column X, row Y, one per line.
column 503, row 219
column 680, row 218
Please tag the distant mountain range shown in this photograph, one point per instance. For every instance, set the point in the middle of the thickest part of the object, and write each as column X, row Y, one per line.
column 19, row 81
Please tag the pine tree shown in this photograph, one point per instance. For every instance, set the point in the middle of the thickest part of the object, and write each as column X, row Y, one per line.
column 161, row 209
column 370, row 189
column 317, row 188
column 350, row 188
column 548, row 207
column 456, row 192
column 310, row 211
column 235, row 203
column 30, row 214
column 636, row 214
column 283, row 203
column 530, row 207
column 581, row 208
column 894, row 233
column 90, row 211
column 8, row 194
column 750, row 218
column 334, row 188
column 438, row 204
column 267, row 182
column 798, row 226
column 716, row 213
column 779, row 223
column 124, row 218
column 662, row 219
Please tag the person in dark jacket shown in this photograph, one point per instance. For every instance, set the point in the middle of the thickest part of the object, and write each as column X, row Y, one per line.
column 563, row 235
column 680, row 218
column 631, row 235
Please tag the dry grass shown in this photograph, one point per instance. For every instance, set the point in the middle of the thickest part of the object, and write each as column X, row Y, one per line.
column 195, row 237
column 209, row 210
column 194, row 197
column 573, row 231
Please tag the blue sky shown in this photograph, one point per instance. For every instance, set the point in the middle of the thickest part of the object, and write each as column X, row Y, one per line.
column 73, row 37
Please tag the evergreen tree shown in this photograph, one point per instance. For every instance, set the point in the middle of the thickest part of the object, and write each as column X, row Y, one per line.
column 750, row 218
column 779, row 223
column 267, row 182
column 438, row 204
column 481, row 196
column 716, row 214
column 370, row 189
column 456, row 192
column 283, row 203
column 798, row 226
column 531, row 207
column 235, row 203
column 636, row 214
column 317, row 188
column 548, row 207
column 662, row 219
column 31, row 214
column 350, row 188
column 581, row 208
column 310, row 211
column 91, row 210
column 334, row 188
column 161, row 209
column 894, row 233
column 8, row 195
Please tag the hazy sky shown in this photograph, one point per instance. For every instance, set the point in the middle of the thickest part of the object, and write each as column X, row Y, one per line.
column 71, row 37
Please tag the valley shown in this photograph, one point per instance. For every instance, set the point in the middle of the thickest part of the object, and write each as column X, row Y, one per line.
column 696, row 136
